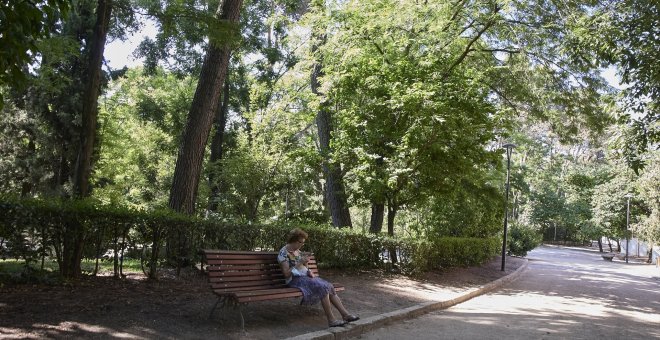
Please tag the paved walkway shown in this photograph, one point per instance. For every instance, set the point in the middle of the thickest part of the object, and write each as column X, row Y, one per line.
column 371, row 323
column 564, row 293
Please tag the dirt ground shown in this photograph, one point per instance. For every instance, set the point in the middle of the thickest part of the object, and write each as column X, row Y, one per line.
column 178, row 308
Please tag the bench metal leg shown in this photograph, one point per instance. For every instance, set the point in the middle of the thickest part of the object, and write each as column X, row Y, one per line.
column 240, row 313
column 221, row 301
column 239, row 306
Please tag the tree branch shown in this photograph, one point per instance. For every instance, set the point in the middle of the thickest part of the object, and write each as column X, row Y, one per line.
column 504, row 97
column 468, row 49
column 381, row 52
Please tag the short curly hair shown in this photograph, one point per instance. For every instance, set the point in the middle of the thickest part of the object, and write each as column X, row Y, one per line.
column 296, row 234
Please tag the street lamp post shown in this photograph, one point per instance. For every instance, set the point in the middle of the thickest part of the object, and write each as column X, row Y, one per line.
column 509, row 147
column 628, row 196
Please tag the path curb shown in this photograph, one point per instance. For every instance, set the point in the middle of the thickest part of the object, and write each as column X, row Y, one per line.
column 362, row 326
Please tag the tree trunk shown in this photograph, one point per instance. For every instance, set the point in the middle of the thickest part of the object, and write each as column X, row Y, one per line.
column 26, row 185
column 377, row 212
column 90, row 98
column 72, row 247
column 183, row 193
column 74, row 235
column 335, row 193
column 217, row 150
column 391, row 214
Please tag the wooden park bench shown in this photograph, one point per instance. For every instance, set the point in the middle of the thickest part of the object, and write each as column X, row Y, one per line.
column 242, row 277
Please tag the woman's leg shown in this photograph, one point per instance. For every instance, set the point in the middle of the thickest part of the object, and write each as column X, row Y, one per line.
column 327, row 308
column 336, row 301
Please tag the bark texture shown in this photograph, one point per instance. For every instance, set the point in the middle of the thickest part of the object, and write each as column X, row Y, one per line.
column 183, row 193
column 83, row 167
column 377, row 214
column 335, row 193
column 217, row 148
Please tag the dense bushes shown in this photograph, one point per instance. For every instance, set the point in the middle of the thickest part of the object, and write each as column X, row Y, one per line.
column 451, row 252
column 37, row 228
column 522, row 239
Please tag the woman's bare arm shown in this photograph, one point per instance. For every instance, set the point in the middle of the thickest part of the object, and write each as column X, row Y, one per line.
column 286, row 270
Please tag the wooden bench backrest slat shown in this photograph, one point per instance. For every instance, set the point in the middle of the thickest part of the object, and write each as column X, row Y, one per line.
column 241, row 261
column 239, row 287
column 248, row 262
column 241, row 256
column 245, row 273
column 246, row 278
column 243, row 267
column 252, row 284
column 247, row 269
column 211, row 252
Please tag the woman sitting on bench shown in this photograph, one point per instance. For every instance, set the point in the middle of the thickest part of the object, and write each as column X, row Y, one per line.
column 314, row 289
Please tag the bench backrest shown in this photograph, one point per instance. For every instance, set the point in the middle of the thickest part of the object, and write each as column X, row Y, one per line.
column 232, row 271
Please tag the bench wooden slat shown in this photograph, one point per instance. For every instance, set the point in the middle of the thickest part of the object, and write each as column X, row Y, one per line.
column 250, row 285
column 270, row 257
column 231, row 290
column 254, row 298
column 263, row 260
column 246, row 279
column 273, row 291
column 246, row 270
column 224, row 267
column 245, row 273
column 233, row 260
column 209, row 252
column 232, row 286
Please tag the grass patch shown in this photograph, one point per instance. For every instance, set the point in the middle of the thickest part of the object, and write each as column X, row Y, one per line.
column 129, row 265
column 13, row 269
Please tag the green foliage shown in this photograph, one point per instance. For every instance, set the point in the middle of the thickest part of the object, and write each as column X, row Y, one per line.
column 139, row 138
column 466, row 209
column 609, row 205
column 22, row 24
column 649, row 193
column 423, row 94
column 49, row 107
column 411, row 120
column 522, row 239
column 444, row 252
column 626, row 34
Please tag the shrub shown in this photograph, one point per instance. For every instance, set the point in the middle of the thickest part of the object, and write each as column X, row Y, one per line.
column 522, row 239
column 174, row 236
column 445, row 252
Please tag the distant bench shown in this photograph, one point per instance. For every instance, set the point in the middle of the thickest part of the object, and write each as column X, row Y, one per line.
column 241, row 277
column 608, row 256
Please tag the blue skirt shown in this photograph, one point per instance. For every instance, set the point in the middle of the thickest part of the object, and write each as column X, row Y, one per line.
column 313, row 289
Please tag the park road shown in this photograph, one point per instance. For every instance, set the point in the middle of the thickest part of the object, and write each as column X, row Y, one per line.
column 564, row 294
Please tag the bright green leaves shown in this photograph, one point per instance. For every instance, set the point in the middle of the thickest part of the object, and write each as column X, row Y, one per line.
column 413, row 116
column 139, row 137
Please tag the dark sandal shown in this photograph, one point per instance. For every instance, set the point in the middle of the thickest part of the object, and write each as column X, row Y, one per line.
column 336, row 323
column 351, row 318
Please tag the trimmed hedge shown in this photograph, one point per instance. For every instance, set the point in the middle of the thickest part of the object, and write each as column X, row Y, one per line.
column 38, row 227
